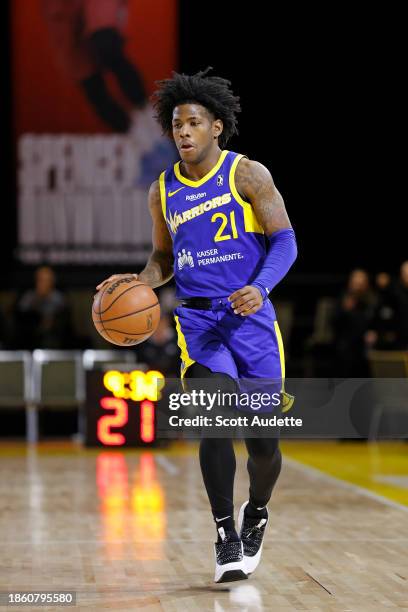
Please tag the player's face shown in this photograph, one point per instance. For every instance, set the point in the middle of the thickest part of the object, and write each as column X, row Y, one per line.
column 193, row 131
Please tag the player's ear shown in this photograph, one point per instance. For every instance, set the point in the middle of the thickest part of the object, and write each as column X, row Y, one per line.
column 218, row 126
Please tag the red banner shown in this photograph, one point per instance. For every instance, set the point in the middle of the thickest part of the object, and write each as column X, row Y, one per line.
column 50, row 56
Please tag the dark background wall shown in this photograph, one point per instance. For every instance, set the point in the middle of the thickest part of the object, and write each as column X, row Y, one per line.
column 8, row 224
column 320, row 94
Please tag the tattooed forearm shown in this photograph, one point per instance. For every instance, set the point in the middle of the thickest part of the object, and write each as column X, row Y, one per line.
column 255, row 184
column 159, row 267
column 158, row 270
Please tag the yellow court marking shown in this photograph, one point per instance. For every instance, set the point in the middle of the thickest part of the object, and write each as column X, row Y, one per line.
column 379, row 467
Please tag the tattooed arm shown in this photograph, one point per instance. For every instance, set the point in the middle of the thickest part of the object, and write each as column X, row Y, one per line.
column 159, row 268
column 255, row 185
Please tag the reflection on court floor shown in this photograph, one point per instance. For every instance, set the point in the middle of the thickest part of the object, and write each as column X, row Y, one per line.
column 131, row 530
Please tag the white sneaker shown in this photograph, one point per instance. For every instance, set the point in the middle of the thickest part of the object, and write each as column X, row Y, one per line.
column 229, row 559
column 251, row 531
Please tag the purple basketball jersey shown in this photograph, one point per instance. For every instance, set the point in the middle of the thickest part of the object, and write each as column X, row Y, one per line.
column 218, row 243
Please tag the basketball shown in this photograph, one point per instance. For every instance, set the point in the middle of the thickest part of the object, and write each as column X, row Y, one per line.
column 126, row 311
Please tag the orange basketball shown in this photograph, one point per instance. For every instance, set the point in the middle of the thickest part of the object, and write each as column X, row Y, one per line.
column 126, row 311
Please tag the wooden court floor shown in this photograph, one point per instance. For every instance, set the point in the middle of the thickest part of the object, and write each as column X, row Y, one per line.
column 131, row 530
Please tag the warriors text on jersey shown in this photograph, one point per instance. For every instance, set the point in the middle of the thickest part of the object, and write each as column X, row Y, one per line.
column 218, row 244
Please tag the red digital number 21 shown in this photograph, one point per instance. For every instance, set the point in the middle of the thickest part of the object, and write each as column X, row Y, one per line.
column 118, row 419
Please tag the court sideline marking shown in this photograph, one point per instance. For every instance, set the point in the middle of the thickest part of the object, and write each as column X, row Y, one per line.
column 343, row 483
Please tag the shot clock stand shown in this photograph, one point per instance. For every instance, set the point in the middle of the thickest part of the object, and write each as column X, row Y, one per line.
column 51, row 380
column 120, row 407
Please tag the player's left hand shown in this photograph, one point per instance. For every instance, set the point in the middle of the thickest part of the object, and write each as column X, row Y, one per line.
column 246, row 301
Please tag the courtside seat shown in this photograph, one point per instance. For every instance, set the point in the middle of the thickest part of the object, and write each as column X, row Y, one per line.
column 322, row 328
column 91, row 358
column 15, row 384
column 15, row 369
column 388, row 364
column 58, row 381
column 390, row 407
column 58, row 378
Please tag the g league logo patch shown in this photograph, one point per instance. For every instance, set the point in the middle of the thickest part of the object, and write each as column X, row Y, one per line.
column 220, row 180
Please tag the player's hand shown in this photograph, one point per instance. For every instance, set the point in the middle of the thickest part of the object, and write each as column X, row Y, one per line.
column 246, row 301
column 114, row 277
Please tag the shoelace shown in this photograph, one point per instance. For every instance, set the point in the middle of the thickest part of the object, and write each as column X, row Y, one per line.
column 254, row 533
column 227, row 550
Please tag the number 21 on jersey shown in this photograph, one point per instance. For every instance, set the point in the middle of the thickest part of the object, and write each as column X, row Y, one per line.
column 224, row 222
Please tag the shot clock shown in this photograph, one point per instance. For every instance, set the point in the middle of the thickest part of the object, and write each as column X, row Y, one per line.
column 120, row 407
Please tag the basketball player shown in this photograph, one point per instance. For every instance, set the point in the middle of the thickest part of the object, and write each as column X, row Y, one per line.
column 220, row 226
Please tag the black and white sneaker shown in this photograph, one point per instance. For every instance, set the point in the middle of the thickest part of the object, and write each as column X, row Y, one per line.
column 251, row 531
column 229, row 558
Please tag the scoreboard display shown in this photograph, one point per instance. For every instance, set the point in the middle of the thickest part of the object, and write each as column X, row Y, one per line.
column 120, row 407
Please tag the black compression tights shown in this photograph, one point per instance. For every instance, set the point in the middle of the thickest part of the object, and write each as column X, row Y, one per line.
column 217, row 459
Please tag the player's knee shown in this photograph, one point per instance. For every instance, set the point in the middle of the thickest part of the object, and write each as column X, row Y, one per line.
column 199, row 377
column 269, row 463
column 215, row 445
column 264, row 449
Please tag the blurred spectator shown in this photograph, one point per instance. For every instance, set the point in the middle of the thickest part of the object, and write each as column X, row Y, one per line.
column 383, row 332
column 160, row 351
column 41, row 317
column 401, row 300
column 352, row 317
